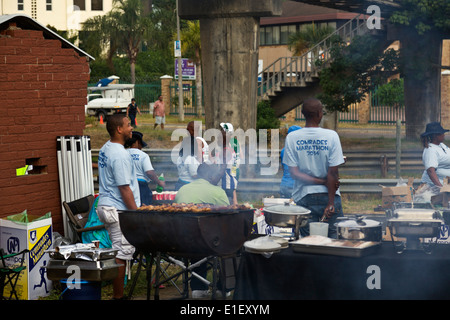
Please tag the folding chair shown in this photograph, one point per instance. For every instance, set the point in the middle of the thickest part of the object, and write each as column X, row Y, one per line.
column 78, row 214
column 9, row 274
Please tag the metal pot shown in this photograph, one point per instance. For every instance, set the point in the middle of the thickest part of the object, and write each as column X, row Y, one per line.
column 287, row 215
column 359, row 228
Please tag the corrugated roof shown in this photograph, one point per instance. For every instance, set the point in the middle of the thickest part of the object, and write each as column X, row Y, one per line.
column 25, row 22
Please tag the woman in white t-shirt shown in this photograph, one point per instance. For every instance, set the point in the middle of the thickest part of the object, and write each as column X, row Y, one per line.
column 187, row 162
column 436, row 155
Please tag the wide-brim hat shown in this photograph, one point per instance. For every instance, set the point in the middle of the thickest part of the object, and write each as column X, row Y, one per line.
column 433, row 128
column 138, row 136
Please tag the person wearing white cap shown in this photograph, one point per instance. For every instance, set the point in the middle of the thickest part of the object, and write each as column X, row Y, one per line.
column 231, row 157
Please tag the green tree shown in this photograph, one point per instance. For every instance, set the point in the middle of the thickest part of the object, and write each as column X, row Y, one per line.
column 303, row 40
column 266, row 118
column 121, row 29
column 391, row 93
column 355, row 70
column 191, row 48
column 421, row 25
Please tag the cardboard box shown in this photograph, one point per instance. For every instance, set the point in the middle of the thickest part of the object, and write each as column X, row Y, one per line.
column 36, row 236
column 443, row 198
column 389, row 195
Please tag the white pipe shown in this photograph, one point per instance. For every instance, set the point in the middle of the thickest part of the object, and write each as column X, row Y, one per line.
column 59, row 142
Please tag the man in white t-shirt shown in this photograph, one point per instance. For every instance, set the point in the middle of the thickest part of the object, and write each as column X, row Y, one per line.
column 118, row 190
column 313, row 155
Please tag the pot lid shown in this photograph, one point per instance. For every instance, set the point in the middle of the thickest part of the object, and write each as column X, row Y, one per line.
column 359, row 223
column 287, row 209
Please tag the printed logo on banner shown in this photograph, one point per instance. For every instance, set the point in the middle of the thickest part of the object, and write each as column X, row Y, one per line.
column 13, row 245
column 444, row 232
column 42, row 242
column 33, row 236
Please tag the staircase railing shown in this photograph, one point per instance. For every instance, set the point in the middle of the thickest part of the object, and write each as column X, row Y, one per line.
column 296, row 71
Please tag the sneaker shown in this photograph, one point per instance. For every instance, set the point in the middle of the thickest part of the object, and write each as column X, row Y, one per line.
column 199, row 294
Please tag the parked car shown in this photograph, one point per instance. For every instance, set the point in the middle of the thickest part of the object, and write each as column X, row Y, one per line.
column 107, row 100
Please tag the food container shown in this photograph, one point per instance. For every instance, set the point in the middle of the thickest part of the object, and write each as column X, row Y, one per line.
column 101, row 270
column 335, row 247
column 287, row 215
column 359, row 228
column 422, row 223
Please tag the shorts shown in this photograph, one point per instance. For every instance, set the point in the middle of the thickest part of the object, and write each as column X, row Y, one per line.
column 110, row 217
column 160, row 120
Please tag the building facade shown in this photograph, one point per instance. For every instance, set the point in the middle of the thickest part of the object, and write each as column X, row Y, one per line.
column 66, row 15
column 43, row 87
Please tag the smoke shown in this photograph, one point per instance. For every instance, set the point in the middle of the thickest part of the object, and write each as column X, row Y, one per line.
column 252, row 144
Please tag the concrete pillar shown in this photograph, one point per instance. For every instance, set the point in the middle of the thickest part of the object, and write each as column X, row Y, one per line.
column 364, row 110
column 165, row 91
column 230, row 47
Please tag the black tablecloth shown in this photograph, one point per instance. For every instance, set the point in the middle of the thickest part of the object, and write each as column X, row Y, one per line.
column 292, row 275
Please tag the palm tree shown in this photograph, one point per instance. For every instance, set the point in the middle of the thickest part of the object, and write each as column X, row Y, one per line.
column 122, row 29
column 191, row 48
column 301, row 41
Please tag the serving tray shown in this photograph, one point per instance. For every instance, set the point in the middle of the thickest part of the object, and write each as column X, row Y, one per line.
column 327, row 246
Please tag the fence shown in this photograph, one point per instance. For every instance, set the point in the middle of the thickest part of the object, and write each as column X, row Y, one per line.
column 378, row 114
column 146, row 94
column 189, row 99
column 149, row 92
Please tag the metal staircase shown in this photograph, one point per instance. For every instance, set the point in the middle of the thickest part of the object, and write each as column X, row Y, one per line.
column 302, row 71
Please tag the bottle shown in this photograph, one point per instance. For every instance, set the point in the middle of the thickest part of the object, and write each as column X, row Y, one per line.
column 159, row 189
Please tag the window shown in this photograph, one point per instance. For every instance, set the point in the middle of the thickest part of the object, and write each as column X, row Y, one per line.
column 269, row 36
column 97, row 5
column 80, row 4
column 274, row 35
column 48, row 5
column 20, row 5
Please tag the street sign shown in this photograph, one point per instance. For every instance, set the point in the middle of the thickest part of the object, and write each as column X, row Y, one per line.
column 187, row 69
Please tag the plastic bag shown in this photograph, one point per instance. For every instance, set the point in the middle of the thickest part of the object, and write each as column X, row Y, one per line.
column 25, row 218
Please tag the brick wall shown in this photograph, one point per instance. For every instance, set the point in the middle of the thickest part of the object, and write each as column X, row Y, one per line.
column 43, row 90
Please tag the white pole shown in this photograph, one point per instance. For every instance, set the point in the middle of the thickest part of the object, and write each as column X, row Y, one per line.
column 59, row 143
column 80, row 169
column 90, row 178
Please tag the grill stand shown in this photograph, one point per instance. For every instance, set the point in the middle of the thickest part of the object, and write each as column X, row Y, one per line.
column 218, row 272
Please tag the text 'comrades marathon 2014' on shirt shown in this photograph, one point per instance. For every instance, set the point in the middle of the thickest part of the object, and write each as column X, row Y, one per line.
column 312, row 146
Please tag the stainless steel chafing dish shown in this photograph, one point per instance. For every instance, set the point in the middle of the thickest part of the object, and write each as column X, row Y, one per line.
column 413, row 225
column 287, row 215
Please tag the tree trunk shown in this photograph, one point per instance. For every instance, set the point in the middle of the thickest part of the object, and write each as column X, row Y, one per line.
column 422, row 80
column 133, row 71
